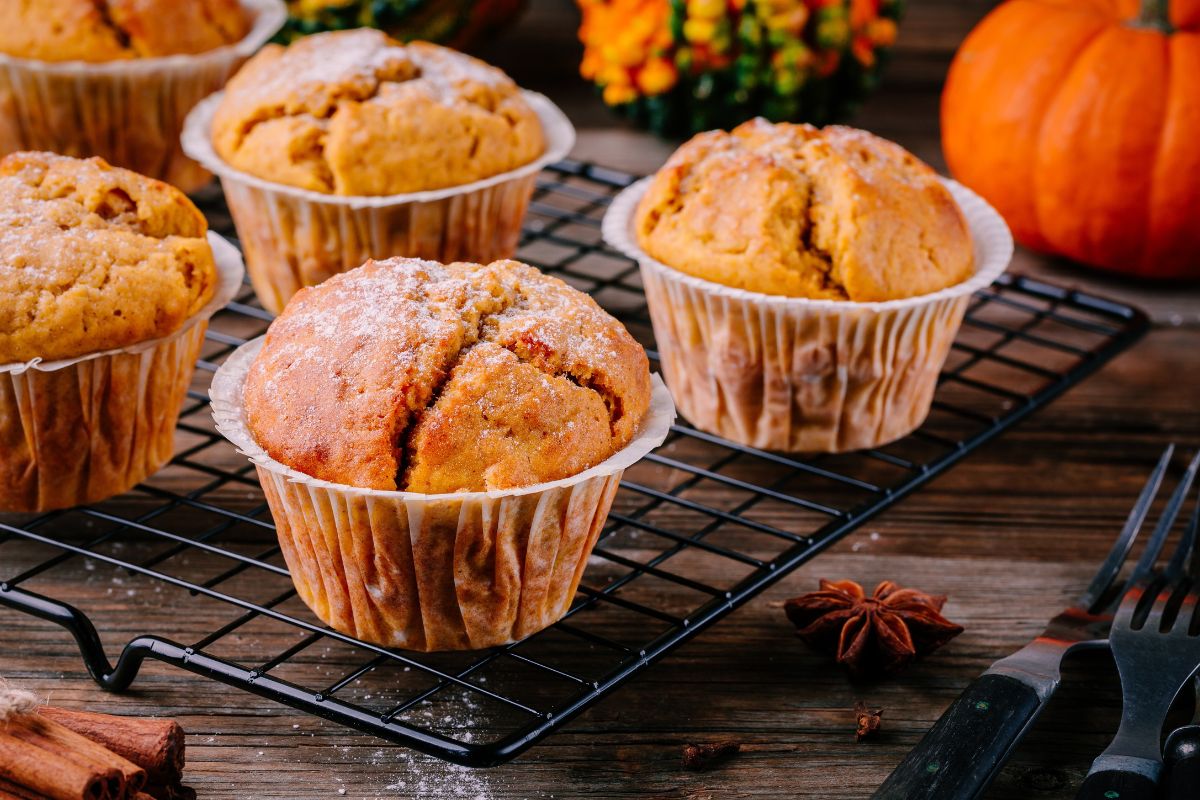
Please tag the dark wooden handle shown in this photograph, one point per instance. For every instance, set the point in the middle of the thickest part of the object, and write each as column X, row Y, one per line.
column 1183, row 764
column 1113, row 785
column 965, row 749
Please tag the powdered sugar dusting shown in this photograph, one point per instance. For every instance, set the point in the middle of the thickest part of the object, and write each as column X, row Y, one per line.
column 428, row 778
column 79, row 228
column 370, row 348
column 347, row 57
column 335, row 333
column 37, row 224
column 317, row 70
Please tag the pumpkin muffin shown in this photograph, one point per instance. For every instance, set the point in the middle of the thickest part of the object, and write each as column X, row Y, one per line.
column 805, row 284
column 440, row 445
column 88, row 30
column 348, row 146
column 357, row 113
column 107, row 280
column 791, row 210
column 94, row 258
column 424, row 377
column 117, row 78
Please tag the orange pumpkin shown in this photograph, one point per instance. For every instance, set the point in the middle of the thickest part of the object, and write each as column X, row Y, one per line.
column 1079, row 120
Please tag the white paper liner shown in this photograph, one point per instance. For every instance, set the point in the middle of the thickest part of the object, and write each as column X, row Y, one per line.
column 296, row 237
column 803, row 375
column 82, row 429
column 454, row 571
column 130, row 112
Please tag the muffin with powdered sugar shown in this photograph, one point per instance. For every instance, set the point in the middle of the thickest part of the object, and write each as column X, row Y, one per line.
column 440, row 445
column 348, row 146
column 108, row 278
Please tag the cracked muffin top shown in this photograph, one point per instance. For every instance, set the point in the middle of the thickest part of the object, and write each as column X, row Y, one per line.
column 112, row 30
column 356, row 113
column 408, row 374
column 93, row 257
column 783, row 209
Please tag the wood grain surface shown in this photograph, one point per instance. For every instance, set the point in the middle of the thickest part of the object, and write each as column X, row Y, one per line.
column 1011, row 535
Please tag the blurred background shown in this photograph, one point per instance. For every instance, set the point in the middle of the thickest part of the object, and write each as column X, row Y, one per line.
column 542, row 51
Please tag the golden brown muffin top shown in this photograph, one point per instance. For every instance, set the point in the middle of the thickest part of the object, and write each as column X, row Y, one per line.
column 356, row 113
column 408, row 374
column 832, row 213
column 93, row 257
column 112, row 30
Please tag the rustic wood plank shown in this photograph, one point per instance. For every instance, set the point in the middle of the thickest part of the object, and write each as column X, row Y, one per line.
column 1011, row 534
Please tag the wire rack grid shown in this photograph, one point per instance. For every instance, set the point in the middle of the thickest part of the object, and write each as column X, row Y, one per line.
column 699, row 527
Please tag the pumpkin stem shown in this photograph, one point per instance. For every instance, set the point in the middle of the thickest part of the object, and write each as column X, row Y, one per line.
column 1154, row 15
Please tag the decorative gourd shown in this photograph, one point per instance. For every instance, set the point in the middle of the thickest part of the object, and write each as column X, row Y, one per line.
column 1079, row 120
column 683, row 66
column 457, row 23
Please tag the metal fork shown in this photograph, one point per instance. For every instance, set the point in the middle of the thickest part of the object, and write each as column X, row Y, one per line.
column 1157, row 650
column 965, row 749
column 1181, row 753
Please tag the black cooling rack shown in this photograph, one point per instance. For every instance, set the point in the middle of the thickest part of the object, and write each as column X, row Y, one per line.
column 699, row 527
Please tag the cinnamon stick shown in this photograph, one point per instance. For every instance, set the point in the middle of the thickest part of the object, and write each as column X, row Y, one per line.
column 52, row 774
column 10, row 791
column 61, row 740
column 155, row 745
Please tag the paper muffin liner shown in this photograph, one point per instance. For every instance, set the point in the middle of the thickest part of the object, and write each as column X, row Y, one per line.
column 800, row 375
column 432, row 572
column 295, row 237
column 84, row 429
column 129, row 112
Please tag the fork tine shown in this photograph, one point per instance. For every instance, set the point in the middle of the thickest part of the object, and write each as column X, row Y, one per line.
column 1183, row 562
column 1145, row 564
column 1160, row 607
column 1130, row 600
column 1120, row 550
column 1192, row 531
column 1187, row 609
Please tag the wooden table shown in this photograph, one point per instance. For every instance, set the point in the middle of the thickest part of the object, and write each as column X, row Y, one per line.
column 1010, row 535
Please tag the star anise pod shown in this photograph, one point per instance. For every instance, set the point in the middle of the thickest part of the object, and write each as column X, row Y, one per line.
column 875, row 635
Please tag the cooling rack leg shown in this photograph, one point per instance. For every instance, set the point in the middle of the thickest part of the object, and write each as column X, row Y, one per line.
column 80, row 627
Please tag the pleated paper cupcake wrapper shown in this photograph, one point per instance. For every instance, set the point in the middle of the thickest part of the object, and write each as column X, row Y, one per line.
column 84, row 429
column 129, row 112
column 434, row 572
column 798, row 375
column 295, row 238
